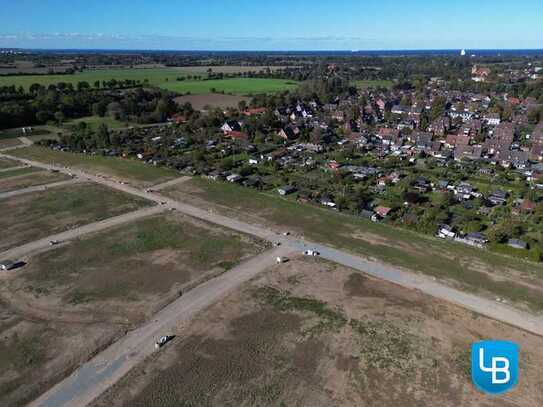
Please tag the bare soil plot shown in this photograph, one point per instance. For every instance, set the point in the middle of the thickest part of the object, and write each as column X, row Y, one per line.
column 202, row 102
column 36, row 215
column 464, row 267
column 72, row 301
column 29, row 180
column 310, row 333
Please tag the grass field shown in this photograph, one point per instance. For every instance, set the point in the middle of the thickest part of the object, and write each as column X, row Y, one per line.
column 365, row 84
column 34, row 178
column 238, row 86
column 68, row 302
column 7, row 163
column 310, row 333
column 125, row 169
column 163, row 77
column 18, row 172
column 155, row 76
column 29, row 217
column 463, row 266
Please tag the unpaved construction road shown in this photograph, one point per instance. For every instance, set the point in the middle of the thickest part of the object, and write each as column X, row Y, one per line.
column 110, row 365
column 93, row 378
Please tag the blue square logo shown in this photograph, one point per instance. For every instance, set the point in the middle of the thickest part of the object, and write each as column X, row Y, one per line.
column 494, row 366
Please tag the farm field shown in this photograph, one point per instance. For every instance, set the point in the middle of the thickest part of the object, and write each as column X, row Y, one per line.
column 228, row 68
column 311, row 333
column 163, row 77
column 69, row 302
column 124, row 169
column 29, row 179
column 155, row 76
column 200, row 102
column 462, row 266
column 365, row 84
column 238, row 86
column 32, row 216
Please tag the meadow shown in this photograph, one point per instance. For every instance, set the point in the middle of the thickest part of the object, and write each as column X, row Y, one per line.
column 165, row 78
column 125, row 169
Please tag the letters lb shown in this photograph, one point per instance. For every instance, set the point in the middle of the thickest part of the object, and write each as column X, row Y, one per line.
column 494, row 366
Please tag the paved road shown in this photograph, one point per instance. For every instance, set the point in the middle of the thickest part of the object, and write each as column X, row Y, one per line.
column 101, row 372
column 37, row 188
column 18, row 253
column 77, row 386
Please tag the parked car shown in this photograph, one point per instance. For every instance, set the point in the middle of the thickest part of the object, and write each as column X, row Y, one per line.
column 280, row 260
column 311, row 253
column 162, row 341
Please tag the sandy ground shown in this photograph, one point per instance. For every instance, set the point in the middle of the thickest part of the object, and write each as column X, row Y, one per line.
column 245, row 352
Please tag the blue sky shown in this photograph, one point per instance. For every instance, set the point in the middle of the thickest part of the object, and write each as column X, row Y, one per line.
column 271, row 24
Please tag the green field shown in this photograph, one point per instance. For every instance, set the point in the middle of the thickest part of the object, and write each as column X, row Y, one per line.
column 365, row 84
column 166, row 78
column 467, row 267
column 238, row 86
column 155, row 76
column 126, row 169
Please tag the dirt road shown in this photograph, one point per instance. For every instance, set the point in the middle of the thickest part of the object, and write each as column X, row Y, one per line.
column 95, row 376
column 37, row 188
column 18, row 253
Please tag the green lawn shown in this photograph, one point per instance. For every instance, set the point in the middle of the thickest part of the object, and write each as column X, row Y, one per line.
column 240, row 86
column 468, row 267
column 126, row 169
column 365, row 84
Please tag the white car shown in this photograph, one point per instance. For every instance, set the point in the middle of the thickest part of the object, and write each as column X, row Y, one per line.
column 54, row 242
column 286, row 233
column 311, row 253
column 162, row 341
column 280, row 260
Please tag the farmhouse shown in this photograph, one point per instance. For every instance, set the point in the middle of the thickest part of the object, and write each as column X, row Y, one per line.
column 288, row 189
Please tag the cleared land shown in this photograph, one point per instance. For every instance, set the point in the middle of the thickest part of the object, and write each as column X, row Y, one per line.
column 32, row 179
column 365, row 84
column 36, row 215
column 18, row 172
column 238, row 86
column 461, row 266
column 200, row 102
column 69, row 302
column 123, row 169
column 315, row 334
column 7, row 163
column 9, row 142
